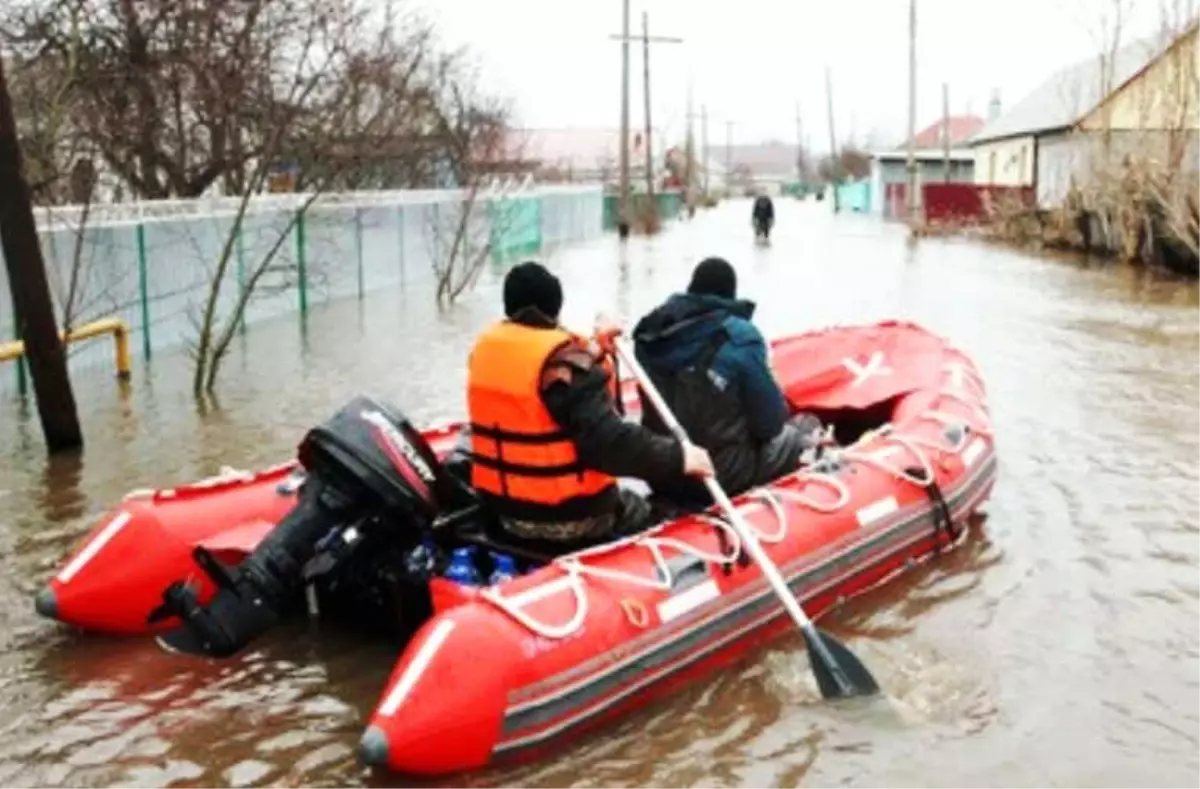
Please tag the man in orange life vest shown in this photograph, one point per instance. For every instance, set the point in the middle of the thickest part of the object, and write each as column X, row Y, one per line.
column 547, row 443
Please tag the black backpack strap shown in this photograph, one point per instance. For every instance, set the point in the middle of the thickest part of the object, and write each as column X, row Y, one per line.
column 714, row 345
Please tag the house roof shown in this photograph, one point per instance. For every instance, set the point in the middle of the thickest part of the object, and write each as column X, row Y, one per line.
column 925, row 155
column 770, row 158
column 1073, row 92
column 579, row 148
column 961, row 128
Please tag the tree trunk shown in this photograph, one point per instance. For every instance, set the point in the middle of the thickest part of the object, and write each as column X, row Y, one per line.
column 32, row 305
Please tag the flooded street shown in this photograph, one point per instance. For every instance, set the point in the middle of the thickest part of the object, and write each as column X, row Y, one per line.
column 1059, row 645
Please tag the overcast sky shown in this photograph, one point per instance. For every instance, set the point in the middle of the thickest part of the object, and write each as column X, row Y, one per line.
column 750, row 61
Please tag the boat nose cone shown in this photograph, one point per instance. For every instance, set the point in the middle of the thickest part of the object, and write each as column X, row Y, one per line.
column 373, row 747
column 46, row 603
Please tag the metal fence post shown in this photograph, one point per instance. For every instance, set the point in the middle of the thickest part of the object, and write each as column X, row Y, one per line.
column 241, row 267
column 143, row 288
column 358, row 246
column 400, row 232
column 22, row 377
column 302, row 263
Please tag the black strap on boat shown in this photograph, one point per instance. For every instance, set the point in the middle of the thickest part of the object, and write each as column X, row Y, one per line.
column 943, row 518
column 743, row 558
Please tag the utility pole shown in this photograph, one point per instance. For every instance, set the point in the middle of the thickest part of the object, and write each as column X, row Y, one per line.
column 729, row 158
column 623, row 214
column 646, row 94
column 834, row 160
column 690, row 155
column 912, row 111
column 646, row 40
column 704, row 143
column 946, row 132
column 33, row 309
column 799, row 147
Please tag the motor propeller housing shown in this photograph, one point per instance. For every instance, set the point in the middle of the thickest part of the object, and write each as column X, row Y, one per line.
column 366, row 464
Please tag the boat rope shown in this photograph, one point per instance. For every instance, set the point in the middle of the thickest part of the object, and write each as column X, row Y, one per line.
column 791, row 488
column 225, row 476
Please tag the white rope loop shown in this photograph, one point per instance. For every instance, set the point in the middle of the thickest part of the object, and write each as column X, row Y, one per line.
column 817, row 478
column 770, row 498
column 553, row 632
column 661, row 580
column 767, row 497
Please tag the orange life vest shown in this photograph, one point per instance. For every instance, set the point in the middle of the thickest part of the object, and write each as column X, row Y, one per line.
column 522, row 460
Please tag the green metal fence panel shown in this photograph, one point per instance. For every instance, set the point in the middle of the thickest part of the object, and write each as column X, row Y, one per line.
column 154, row 264
column 855, row 196
column 516, row 226
column 670, row 205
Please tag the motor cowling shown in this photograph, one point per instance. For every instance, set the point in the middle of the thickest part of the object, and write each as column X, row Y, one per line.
column 366, row 464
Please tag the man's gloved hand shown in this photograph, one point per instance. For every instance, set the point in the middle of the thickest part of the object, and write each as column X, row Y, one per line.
column 606, row 333
column 696, row 461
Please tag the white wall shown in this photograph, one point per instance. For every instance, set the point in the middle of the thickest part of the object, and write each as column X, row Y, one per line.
column 1086, row 156
column 1060, row 157
column 1005, row 162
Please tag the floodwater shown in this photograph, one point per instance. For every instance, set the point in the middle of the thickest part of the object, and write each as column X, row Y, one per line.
column 1057, row 646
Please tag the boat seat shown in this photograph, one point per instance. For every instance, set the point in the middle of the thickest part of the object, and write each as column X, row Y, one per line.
column 488, row 533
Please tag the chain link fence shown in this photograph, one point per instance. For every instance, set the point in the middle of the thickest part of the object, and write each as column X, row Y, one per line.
column 151, row 263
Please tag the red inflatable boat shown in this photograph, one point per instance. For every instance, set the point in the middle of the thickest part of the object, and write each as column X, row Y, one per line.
column 511, row 669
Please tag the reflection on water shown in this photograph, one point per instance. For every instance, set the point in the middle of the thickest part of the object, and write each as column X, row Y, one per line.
column 1059, row 645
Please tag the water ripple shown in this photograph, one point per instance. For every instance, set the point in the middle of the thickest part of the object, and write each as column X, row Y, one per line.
column 1058, row 645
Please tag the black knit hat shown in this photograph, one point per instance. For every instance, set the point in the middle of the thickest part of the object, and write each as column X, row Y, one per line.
column 529, row 284
column 714, row 277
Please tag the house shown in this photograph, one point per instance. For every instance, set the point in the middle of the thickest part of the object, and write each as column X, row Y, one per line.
column 586, row 155
column 1047, row 139
column 889, row 168
column 763, row 166
column 1154, row 114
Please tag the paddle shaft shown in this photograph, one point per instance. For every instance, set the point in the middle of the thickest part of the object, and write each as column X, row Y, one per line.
column 747, row 535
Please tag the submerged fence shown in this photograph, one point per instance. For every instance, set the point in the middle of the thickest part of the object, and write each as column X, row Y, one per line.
column 152, row 264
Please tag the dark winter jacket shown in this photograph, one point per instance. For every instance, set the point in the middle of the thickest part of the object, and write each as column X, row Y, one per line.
column 764, row 210
column 731, row 406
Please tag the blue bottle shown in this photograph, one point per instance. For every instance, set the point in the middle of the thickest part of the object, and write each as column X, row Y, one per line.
column 422, row 561
column 503, row 569
column 462, row 566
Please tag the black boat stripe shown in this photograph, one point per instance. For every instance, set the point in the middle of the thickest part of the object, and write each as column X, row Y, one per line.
column 543, row 689
column 836, row 554
column 761, row 605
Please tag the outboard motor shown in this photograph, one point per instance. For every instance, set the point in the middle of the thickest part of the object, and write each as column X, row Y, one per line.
column 367, row 464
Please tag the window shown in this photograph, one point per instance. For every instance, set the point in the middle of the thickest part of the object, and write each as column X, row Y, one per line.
column 992, row 168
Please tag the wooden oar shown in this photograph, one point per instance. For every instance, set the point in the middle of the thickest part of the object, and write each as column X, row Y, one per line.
column 839, row 673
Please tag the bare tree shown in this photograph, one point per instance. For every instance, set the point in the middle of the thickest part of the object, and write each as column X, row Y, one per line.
column 346, row 88
column 475, row 151
column 161, row 86
column 851, row 162
column 180, row 97
column 58, row 159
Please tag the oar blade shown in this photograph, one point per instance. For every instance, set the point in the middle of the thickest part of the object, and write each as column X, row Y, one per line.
column 839, row 673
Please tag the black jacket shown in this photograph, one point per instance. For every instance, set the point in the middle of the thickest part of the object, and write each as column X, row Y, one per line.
column 764, row 209
column 709, row 362
column 604, row 440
